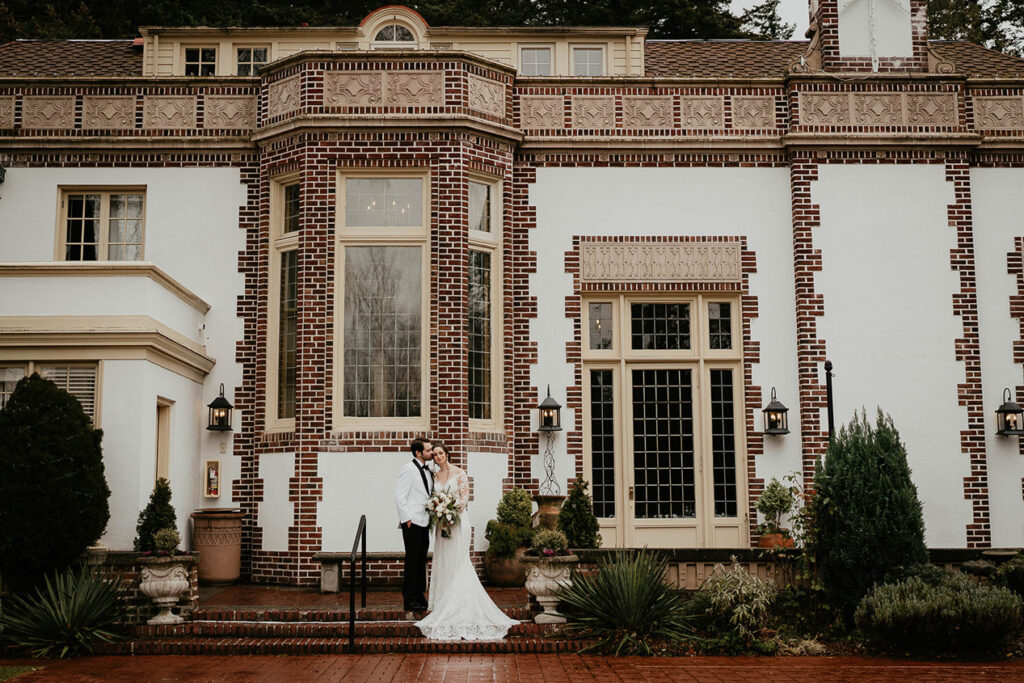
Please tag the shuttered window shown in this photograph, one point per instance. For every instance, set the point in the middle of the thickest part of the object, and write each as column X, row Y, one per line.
column 78, row 379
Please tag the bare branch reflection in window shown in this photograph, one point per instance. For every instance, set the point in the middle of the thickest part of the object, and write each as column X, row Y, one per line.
column 383, row 310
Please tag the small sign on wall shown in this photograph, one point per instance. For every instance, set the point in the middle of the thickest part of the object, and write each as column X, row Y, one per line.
column 212, row 479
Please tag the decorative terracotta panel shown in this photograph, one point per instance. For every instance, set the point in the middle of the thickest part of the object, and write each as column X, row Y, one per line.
column 702, row 112
column 877, row 109
column 753, row 112
column 999, row 113
column 932, row 110
column 832, row 109
column 170, row 112
column 230, row 112
column 647, row 112
column 659, row 262
column 415, row 89
column 541, row 112
column 487, row 96
column 283, row 96
column 353, row 88
column 593, row 112
column 48, row 112
column 6, row 112
column 108, row 113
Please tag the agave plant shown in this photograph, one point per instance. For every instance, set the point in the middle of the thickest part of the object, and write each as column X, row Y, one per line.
column 627, row 605
column 65, row 615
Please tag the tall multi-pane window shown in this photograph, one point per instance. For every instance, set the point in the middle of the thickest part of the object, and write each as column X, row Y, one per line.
column 484, row 305
column 588, row 61
column 249, row 60
column 535, row 61
column 282, row 357
column 103, row 225
column 200, row 61
column 383, row 256
column 480, row 335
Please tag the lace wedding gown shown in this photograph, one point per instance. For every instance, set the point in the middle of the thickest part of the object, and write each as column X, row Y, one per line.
column 459, row 606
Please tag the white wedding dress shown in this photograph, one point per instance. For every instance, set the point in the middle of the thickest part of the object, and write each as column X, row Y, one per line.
column 459, row 606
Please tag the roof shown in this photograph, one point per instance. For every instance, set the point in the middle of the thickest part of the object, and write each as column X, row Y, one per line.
column 756, row 59
column 33, row 58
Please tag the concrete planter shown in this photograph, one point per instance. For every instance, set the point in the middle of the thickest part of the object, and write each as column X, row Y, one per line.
column 507, row 572
column 217, row 537
column 544, row 575
column 163, row 580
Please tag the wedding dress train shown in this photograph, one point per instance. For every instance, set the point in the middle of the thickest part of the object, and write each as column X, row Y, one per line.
column 459, row 606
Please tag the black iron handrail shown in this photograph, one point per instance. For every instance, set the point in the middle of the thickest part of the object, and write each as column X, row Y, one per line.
column 359, row 539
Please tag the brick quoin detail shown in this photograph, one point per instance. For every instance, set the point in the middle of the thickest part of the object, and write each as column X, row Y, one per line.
column 1015, row 267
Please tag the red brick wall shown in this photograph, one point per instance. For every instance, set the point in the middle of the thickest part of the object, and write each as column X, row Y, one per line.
column 828, row 27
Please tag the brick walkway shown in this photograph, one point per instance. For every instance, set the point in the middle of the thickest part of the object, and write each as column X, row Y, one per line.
column 532, row 668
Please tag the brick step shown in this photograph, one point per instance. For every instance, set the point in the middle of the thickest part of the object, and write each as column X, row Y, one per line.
column 294, row 629
column 313, row 646
column 325, row 615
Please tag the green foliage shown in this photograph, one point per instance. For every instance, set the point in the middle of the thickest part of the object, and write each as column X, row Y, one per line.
column 734, row 600
column 996, row 24
column 577, row 520
column 549, row 542
column 515, row 508
column 1011, row 575
column 867, row 515
column 775, row 501
column 53, row 494
column 504, row 539
column 65, row 615
column 763, row 21
column 954, row 615
column 156, row 516
column 166, row 540
column 627, row 606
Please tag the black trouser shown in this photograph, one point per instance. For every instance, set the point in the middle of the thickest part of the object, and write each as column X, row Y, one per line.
column 414, row 574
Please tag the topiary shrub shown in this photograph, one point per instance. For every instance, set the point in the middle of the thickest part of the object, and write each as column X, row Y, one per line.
column 775, row 501
column 547, row 543
column 867, row 515
column 156, row 516
column 956, row 614
column 515, row 508
column 577, row 520
column 511, row 530
column 53, row 494
column 166, row 541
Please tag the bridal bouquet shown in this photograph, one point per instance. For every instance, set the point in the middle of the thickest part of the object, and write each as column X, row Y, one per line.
column 444, row 510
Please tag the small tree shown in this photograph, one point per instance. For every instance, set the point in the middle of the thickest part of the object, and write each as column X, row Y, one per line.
column 53, row 494
column 511, row 530
column 577, row 520
column 155, row 517
column 868, row 518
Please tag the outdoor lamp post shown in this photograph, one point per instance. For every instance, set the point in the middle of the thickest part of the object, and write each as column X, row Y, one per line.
column 220, row 413
column 550, row 414
column 776, row 421
column 1009, row 417
column 549, row 494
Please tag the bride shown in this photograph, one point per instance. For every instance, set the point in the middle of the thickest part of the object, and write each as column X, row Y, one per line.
column 459, row 606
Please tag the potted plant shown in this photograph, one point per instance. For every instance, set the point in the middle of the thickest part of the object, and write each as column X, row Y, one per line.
column 549, row 567
column 508, row 537
column 577, row 520
column 163, row 574
column 776, row 500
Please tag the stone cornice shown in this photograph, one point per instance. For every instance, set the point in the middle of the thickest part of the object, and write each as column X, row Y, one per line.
column 133, row 81
column 190, row 144
column 717, row 144
column 333, row 122
column 880, row 140
column 387, row 56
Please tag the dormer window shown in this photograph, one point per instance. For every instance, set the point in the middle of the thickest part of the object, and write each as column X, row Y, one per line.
column 395, row 36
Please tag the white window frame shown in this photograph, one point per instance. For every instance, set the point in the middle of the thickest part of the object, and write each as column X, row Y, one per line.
column 102, row 250
column 280, row 242
column 247, row 46
column 363, row 236
column 588, row 46
column 201, row 46
column 535, row 46
column 491, row 243
column 394, row 44
column 31, row 366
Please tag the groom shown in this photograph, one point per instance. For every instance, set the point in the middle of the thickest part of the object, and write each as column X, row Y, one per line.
column 415, row 484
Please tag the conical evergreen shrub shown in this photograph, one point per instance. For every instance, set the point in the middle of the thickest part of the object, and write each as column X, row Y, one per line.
column 53, row 493
column 156, row 516
column 576, row 519
column 868, row 518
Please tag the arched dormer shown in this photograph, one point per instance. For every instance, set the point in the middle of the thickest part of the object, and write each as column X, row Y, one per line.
column 394, row 27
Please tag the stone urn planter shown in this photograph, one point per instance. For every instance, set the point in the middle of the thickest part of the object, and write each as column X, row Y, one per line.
column 217, row 537
column 544, row 575
column 775, row 541
column 548, row 508
column 163, row 580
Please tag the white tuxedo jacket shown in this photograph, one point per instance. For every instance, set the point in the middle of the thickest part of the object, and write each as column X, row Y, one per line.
column 411, row 496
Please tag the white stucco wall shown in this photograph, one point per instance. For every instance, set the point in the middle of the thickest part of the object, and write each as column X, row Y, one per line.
column 889, row 325
column 276, row 513
column 892, row 29
column 998, row 218
column 192, row 234
column 669, row 201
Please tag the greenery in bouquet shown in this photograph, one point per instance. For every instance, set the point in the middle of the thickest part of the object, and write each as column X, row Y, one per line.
column 444, row 512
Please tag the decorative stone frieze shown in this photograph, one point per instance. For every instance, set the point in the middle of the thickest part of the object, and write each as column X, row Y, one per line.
column 230, row 112
column 6, row 112
column 933, row 109
column 108, row 113
column 877, row 109
column 541, row 112
column 487, row 96
column 753, row 112
column 999, row 113
column 415, row 89
column 702, row 112
column 48, row 112
column 283, row 96
column 660, row 262
column 647, row 112
column 593, row 112
column 831, row 109
column 176, row 112
column 353, row 88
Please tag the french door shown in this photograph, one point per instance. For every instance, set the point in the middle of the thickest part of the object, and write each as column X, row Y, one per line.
column 663, row 429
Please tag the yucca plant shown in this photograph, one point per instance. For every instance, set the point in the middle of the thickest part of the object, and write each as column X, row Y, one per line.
column 627, row 605
column 64, row 616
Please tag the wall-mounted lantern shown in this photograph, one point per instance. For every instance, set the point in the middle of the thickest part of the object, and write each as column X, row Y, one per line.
column 1009, row 417
column 776, row 421
column 220, row 413
column 550, row 414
